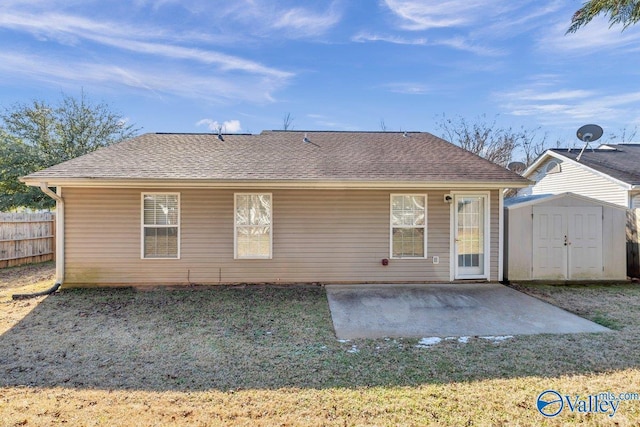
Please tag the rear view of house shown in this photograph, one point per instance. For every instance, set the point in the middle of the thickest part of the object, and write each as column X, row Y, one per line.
column 278, row 207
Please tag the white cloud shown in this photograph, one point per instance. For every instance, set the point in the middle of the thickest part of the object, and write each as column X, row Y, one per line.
column 558, row 95
column 302, row 22
column 65, row 27
column 458, row 43
column 226, row 78
column 265, row 19
column 408, row 88
column 463, row 44
column 594, row 38
column 363, row 37
column 551, row 106
column 489, row 18
column 172, row 81
column 419, row 15
column 520, row 17
column 228, row 126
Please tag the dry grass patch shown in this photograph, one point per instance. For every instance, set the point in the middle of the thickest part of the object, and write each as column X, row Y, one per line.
column 495, row 402
column 268, row 356
column 17, row 280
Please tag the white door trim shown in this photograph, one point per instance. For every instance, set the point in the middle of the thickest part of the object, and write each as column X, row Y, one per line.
column 454, row 275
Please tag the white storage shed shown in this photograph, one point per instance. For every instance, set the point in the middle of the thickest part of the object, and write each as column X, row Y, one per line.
column 564, row 237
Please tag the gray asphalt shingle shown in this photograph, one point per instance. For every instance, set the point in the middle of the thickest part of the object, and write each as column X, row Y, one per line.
column 621, row 162
column 283, row 156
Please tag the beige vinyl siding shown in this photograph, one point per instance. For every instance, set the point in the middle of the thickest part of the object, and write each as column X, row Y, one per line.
column 579, row 180
column 318, row 236
column 494, row 224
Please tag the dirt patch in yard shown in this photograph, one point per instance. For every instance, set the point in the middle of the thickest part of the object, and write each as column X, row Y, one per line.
column 13, row 278
column 23, row 279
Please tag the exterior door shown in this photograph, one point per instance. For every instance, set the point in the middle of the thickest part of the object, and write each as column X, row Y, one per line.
column 585, row 243
column 470, row 223
column 549, row 247
column 567, row 243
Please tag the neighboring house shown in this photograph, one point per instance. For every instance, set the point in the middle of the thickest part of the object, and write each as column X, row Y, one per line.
column 281, row 206
column 610, row 173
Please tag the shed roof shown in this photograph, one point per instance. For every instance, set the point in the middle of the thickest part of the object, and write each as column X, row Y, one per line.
column 535, row 199
column 281, row 156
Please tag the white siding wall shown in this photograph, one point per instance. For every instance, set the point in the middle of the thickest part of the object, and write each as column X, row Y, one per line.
column 318, row 236
column 578, row 180
column 519, row 238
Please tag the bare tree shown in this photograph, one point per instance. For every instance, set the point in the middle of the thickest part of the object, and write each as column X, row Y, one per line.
column 287, row 122
column 624, row 135
column 486, row 139
column 383, row 125
column 532, row 147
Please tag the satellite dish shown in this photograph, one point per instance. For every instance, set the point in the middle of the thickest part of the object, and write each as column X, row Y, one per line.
column 516, row 167
column 588, row 133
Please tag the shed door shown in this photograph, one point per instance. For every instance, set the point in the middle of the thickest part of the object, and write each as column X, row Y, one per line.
column 549, row 250
column 585, row 242
column 567, row 243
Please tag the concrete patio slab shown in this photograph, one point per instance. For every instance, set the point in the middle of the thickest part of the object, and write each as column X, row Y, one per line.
column 443, row 310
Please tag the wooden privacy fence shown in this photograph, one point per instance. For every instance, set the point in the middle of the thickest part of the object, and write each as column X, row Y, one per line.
column 26, row 238
column 633, row 243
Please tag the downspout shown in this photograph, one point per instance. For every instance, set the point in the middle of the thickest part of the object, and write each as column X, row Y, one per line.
column 59, row 243
column 501, row 235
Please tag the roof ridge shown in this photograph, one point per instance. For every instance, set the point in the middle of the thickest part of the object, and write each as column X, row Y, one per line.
column 344, row 131
column 197, row 133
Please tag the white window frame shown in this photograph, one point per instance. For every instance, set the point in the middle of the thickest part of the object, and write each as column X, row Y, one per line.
column 235, row 226
column 424, row 227
column 143, row 226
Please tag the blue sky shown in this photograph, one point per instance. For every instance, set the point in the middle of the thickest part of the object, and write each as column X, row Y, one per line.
column 190, row 65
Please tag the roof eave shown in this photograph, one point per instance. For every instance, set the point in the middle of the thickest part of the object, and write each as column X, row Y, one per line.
column 272, row 184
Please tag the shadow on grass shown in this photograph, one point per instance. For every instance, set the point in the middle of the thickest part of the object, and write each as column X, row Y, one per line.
column 265, row 338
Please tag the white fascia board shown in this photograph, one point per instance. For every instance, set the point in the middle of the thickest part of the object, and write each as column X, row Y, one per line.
column 541, row 160
column 274, row 184
column 536, row 164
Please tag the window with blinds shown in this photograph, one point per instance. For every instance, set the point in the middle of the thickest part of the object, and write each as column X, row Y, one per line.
column 253, row 226
column 408, row 226
column 160, row 225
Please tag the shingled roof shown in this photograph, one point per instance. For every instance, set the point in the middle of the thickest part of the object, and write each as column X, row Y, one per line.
column 619, row 161
column 283, row 156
